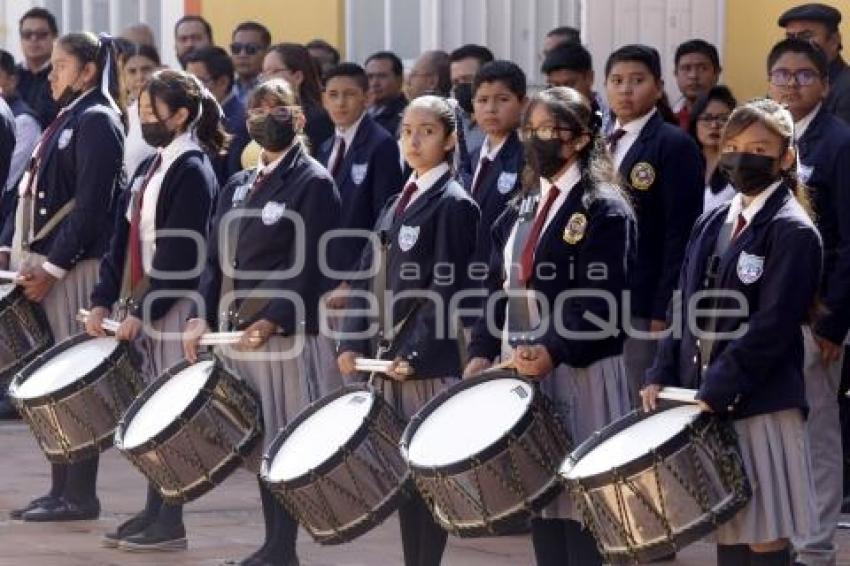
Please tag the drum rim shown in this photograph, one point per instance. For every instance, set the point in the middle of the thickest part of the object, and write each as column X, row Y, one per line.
column 186, row 414
column 121, row 351
column 354, row 440
column 7, row 376
column 485, row 453
column 639, row 464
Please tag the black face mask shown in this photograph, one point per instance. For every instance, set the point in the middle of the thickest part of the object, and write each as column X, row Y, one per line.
column 156, row 134
column 273, row 134
column 463, row 94
column 545, row 155
column 749, row 173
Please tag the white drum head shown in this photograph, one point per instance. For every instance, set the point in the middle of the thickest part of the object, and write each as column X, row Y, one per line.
column 630, row 444
column 166, row 404
column 6, row 289
column 469, row 421
column 320, row 436
column 66, row 368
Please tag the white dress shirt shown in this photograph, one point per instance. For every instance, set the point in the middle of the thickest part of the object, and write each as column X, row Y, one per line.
column 749, row 211
column 346, row 134
column 426, row 181
column 633, row 130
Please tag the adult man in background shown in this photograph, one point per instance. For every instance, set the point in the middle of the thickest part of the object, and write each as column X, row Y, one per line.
column 385, row 72
column 38, row 31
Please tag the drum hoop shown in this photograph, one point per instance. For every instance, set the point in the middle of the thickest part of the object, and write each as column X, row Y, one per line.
column 8, row 374
column 336, row 458
column 639, row 464
column 120, row 352
column 185, row 415
column 482, row 455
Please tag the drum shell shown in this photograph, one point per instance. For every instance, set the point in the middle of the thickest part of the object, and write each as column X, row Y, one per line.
column 78, row 421
column 498, row 490
column 219, row 431
column 368, row 466
column 24, row 333
column 668, row 498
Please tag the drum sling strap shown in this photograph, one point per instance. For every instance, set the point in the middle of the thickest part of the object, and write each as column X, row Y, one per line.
column 712, row 278
column 519, row 315
column 130, row 295
column 49, row 226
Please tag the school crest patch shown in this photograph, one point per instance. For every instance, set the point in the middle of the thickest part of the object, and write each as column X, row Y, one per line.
column 804, row 173
column 358, row 172
column 273, row 212
column 575, row 229
column 407, row 237
column 506, row 182
column 642, row 176
column 65, row 138
column 750, row 268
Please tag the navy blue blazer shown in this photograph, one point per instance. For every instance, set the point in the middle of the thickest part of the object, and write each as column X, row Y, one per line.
column 388, row 115
column 775, row 264
column 230, row 163
column 598, row 257
column 430, row 247
column 266, row 241
column 184, row 203
column 83, row 160
column 664, row 174
column 370, row 174
column 825, row 169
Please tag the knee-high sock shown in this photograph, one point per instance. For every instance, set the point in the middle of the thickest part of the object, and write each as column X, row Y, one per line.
column 81, row 484
column 423, row 540
column 282, row 546
column 549, row 537
column 733, row 554
column 776, row 558
column 58, row 478
column 581, row 546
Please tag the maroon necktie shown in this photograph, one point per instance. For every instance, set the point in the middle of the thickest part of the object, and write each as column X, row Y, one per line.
column 340, row 155
column 136, row 268
column 614, row 139
column 527, row 259
column 404, row 200
column 43, row 142
column 739, row 225
column 482, row 172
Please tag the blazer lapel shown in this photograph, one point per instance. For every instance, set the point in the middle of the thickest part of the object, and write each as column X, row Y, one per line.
column 358, row 142
column 647, row 133
column 420, row 203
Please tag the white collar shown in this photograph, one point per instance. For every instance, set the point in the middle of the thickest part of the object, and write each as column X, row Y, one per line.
column 78, row 99
column 565, row 182
column 426, row 181
column 804, row 123
column 635, row 126
column 183, row 143
column 266, row 168
column 348, row 133
column 737, row 205
column 489, row 153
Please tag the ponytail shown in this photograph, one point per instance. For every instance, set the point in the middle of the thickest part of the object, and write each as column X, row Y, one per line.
column 208, row 127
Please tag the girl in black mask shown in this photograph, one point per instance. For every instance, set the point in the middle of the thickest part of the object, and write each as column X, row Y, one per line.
column 273, row 217
column 171, row 190
column 571, row 231
column 763, row 251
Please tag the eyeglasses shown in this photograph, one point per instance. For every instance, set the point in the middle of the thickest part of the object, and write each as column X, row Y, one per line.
column 248, row 48
column 37, row 35
column 719, row 119
column 802, row 77
column 543, row 133
column 279, row 112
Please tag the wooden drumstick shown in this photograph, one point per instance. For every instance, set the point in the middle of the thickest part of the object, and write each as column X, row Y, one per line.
column 679, row 394
column 8, row 275
column 368, row 365
column 207, row 339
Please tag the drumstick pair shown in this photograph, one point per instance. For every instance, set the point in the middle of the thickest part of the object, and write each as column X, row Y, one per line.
column 208, row 339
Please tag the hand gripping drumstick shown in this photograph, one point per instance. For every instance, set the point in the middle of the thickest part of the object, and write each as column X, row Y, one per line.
column 8, row 275
column 208, row 339
column 369, row 365
column 678, row 394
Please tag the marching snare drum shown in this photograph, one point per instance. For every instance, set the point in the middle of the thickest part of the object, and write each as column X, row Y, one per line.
column 191, row 428
column 73, row 395
column 24, row 332
column 652, row 483
column 337, row 466
column 485, row 454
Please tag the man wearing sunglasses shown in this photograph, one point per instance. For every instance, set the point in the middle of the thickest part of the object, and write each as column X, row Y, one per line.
column 818, row 23
column 798, row 76
column 37, row 30
column 248, row 47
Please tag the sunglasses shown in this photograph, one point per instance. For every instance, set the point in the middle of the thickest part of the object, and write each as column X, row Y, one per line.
column 37, row 35
column 544, row 133
column 279, row 112
column 247, row 48
column 802, row 77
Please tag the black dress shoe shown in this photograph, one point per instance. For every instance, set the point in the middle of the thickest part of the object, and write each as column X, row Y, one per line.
column 133, row 526
column 65, row 511
column 45, row 501
column 7, row 410
column 156, row 538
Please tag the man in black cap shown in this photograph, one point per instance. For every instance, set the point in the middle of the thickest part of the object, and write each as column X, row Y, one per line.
column 819, row 23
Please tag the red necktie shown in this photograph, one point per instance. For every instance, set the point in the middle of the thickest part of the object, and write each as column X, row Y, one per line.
column 136, row 267
column 614, row 139
column 482, row 172
column 739, row 225
column 258, row 182
column 527, row 259
column 43, row 142
column 404, row 200
column 340, row 155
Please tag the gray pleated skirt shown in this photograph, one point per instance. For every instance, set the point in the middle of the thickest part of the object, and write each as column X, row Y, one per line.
column 67, row 296
column 286, row 386
column 160, row 345
column 586, row 400
column 775, row 452
column 407, row 397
